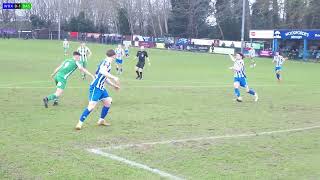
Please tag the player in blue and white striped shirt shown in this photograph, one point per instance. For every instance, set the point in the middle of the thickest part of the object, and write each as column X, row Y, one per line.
column 240, row 78
column 98, row 91
column 119, row 59
column 278, row 60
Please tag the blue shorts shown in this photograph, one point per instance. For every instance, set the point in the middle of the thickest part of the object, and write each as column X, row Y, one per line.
column 126, row 51
column 119, row 61
column 278, row 69
column 242, row 81
column 96, row 94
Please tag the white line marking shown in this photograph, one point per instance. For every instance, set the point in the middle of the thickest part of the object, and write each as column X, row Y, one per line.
column 134, row 164
column 208, row 84
column 29, row 82
column 214, row 137
column 153, row 86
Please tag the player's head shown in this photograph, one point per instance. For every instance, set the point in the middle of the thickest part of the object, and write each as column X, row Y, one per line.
column 76, row 55
column 277, row 53
column 239, row 56
column 111, row 54
column 65, row 39
column 142, row 48
column 119, row 46
column 83, row 44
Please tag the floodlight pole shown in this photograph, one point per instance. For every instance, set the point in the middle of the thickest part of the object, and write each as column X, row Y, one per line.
column 243, row 22
column 59, row 23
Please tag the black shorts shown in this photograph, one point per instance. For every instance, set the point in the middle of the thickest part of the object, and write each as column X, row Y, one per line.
column 140, row 65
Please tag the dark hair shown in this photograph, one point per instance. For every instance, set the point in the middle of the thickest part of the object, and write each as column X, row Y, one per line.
column 242, row 56
column 76, row 53
column 110, row 53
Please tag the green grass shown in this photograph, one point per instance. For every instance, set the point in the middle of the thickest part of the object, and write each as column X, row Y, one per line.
column 183, row 95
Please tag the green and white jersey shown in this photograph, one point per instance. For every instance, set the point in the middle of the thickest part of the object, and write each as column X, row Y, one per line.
column 65, row 44
column 84, row 51
column 67, row 68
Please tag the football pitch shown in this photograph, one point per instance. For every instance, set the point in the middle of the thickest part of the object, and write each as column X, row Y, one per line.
column 180, row 122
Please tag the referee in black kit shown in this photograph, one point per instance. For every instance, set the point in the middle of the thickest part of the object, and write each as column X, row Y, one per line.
column 141, row 55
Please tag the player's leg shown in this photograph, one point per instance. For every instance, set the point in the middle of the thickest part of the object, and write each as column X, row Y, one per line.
column 253, row 62
column 118, row 66
column 53, row 96
column 84, row 65
column 86, row 112
column 137, row 71
column 236, row 85
column 140, row 72
column 252, row 92
column 94, row 97
column 56, row 101
column 105, row 109
column 61, row 85
column 120, row 62
column 278, row 73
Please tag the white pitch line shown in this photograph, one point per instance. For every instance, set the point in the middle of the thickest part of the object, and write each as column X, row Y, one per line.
column 152, row 86
column 214, row 137
column 134, row 164
column 28, row 82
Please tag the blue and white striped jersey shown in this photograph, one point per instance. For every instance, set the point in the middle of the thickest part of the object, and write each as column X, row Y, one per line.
column 278, row 60
column 239, row 69
column 99, row 82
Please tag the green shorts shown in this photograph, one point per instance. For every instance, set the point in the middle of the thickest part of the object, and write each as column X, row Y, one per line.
column 65, row 50
column 61, row 83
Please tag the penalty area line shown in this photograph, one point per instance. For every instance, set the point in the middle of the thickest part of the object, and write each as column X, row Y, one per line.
column 134, row 164
column 214, row 137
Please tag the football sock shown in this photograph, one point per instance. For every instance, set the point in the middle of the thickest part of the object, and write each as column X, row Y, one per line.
column 84, row 115
column 251, row 91
column 140, row 74
column 104, row 112
column 51, row 97
column 237, row 92
column 278, row 76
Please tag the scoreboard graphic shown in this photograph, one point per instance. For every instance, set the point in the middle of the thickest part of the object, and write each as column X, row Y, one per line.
column 26, row 6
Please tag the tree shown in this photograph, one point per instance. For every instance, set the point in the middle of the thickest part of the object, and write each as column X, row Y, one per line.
column 312, row 17
column 188, row 17
column 37, row 22
column 124, row 27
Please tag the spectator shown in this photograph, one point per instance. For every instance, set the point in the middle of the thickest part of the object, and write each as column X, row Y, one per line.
column 232, row 45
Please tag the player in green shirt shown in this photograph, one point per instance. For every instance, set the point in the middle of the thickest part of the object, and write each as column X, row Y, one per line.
column 61, row 74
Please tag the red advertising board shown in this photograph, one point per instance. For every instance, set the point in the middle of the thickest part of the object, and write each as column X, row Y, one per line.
column 146, row 44
column 73, row 34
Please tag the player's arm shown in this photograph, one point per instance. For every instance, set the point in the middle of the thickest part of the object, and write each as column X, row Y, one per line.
column 235, row 68
column 137, row 55
column 123, row 53
column 148, row 59
column 89, row 53
column 104, row 71
column 232, row 58
column 284, row 59
column 116, row 86
column 84, row 70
